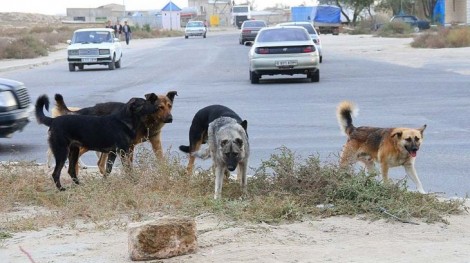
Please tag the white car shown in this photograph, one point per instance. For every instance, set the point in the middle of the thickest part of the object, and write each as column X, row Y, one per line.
column 94, row 46
column 283, row 50
column 195, row 28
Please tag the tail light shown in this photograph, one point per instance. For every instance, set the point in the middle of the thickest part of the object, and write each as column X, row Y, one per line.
column 262, row 50
column 308, row 49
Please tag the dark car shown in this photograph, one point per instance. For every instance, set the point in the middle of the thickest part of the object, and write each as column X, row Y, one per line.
column 249, row 30
column 413, row 21
column 15, row 107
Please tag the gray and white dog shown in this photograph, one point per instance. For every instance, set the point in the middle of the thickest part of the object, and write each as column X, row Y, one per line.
column 229, row 148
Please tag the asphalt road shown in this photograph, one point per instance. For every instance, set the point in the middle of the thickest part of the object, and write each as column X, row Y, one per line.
column 287, row 111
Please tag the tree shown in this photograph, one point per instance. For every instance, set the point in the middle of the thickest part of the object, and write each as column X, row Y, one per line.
column 357, row 6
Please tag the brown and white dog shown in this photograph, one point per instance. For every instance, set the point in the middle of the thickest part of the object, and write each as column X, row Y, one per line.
column 149, row 130
column 391, row 147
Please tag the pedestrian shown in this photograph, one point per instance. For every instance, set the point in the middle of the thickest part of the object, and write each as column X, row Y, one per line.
column 126, row 29
column 108, row 25
column 117, row 29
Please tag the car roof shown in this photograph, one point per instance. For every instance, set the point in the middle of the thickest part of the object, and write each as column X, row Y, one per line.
column 94, row 29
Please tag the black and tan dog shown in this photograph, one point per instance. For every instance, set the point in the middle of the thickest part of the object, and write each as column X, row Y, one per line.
column 150, row 128
column 199, row 126
column 110, row 133
column 390, row 147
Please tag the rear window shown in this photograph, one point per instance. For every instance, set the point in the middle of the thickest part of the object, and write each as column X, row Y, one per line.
column 283, row 34
column 254, row 24
column 195, row 24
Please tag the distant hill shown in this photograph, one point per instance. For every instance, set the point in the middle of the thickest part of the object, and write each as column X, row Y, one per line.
column 24, row 19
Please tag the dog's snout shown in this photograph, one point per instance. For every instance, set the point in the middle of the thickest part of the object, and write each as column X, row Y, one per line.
column 231, row 168
column 169, row 119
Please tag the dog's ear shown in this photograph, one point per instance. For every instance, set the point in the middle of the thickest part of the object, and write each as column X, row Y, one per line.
column 421, row 130
column 244, row 124
column 134, row 105
column 152, row 97
column 171, row 95
column 397, row 133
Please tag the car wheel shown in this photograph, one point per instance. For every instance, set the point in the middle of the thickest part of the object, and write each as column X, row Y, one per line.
column 112, row 64
column 321, row 59
column 80, row 67
column 314, row 76
column 254, row 78
column 185, row 36
column 71, row 67
column 118, row 63
column 416, row 29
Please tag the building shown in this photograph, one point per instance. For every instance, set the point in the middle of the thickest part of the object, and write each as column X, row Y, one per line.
column 171, row 16
column 457, row 12
column 217, row 12
column 110, row 12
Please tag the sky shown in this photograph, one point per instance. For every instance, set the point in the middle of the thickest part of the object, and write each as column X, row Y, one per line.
column 58, row 7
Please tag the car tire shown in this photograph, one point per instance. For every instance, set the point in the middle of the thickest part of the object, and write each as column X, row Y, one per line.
column 416, row 29
column 321, row 59
column 254, row 78
column 71, row 67
column 186, row 37
column 81, row 67
column 314, row 76
column 118, row 63
column 112, row 64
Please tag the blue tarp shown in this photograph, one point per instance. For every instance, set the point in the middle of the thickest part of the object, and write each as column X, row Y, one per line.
column 439, row 13
column 321, row 14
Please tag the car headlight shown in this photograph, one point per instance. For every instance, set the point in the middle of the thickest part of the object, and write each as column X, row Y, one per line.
column 7, row 100
column 104, row 52
column 73, row 52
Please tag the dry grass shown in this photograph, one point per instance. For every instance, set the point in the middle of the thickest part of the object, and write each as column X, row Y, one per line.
column 395, row 29
column 284, row 188
column 453, row 37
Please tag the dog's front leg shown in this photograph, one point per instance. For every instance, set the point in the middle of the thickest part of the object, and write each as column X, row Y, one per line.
column 384, row 169
column 411, row 172
column 219, row 181
column 156, row 143
column 241, row 176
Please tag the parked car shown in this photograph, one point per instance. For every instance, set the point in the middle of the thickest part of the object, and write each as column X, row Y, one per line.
column 195, row 28
column 250, row 29
column 283, row 50
column 311, row 31
column 415, row 23
column 15, row 107
column 94, row 46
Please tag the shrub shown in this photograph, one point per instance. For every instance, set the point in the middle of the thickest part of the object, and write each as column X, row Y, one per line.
column 26, row 47
column 395, row 29
column 443, row 38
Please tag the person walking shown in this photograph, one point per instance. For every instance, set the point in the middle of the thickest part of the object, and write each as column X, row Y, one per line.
column 117, row 29
column 126, row 29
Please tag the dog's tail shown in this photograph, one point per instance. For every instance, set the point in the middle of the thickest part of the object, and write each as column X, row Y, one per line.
column 344, row 113
column 43, row 102
column 60, row 105
column 184, row 148
column 204, row 153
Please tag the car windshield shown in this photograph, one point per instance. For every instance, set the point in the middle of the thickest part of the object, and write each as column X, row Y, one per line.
column 283, row 34
column 254, row 24
column 309, row 27
column 92, row 37
column 195, row 24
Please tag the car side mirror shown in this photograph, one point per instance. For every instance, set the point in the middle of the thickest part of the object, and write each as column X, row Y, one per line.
column 248, row 43
column 69, row 41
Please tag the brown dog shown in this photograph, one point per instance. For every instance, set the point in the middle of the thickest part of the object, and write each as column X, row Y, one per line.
column 390, row 147
column 150, row 128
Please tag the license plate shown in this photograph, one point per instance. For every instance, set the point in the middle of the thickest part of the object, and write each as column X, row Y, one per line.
column 286, row 63
column 89, row 60
column 254, row 31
